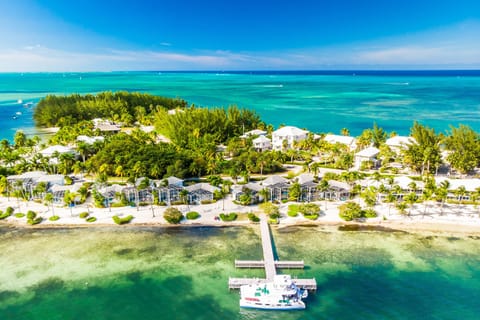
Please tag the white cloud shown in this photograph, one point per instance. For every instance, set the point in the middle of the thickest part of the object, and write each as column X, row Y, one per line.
column 454, row 47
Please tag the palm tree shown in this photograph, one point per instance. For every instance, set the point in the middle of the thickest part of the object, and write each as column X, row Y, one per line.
column 323, row 186
column 391, row 198
column 345, row 132
column 460, row 193
column 426, row 196
column 49, row 201
column 411, row 199
column 264, row 193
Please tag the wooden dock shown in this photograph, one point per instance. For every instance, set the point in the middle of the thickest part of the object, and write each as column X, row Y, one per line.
column 269, row 264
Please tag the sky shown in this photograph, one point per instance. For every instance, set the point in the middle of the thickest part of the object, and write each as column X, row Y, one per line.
column 116, row 35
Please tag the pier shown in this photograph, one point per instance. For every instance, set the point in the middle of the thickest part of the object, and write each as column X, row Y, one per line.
column 269, row 263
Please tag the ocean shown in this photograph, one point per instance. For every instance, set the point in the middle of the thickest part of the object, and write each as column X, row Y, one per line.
column 182, row 273
column 320, row 101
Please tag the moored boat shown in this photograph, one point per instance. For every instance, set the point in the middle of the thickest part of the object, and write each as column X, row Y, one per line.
column 281, row 294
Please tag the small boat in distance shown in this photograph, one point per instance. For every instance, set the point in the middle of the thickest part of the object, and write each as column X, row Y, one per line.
column 18, row 113
column 19, row 101
column 28, row 104
column 281, row 294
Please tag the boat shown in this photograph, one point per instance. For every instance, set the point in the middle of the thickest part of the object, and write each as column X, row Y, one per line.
column 19, row 101
column 18, row 113
column 281, row 294
column 28, row 104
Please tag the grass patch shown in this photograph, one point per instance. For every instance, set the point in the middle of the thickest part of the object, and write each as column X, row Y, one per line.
column 192, row 215
column 293, row 210
column 83, row 215
column 252, row 217
column 91, row 219
column 124, row 220
column 34, row 221
column 19, row 215
column 54, row 218
column 31, row 215
column 228, row 216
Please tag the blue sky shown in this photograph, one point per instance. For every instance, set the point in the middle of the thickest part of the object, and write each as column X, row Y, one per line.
column 87, row 35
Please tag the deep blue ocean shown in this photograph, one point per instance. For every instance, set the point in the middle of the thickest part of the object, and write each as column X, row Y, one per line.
column 321, row 101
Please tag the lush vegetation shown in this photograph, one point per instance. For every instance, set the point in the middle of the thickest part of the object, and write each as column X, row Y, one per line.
column 54, row 218
column 310, row 210
column 293, row 210
column 228, row 216
column 120, row 106
column 253, row 217
column 192, row 215
column 123, row 220
column 350, row 211
column 91, row 219
column 173, row 215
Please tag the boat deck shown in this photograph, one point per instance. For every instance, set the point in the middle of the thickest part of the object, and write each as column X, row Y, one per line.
column 269, row 264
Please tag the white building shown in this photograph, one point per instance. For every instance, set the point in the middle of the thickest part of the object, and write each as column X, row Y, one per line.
column 90, row 140
column 252, row 133
column 262, row 143
column 368, row 154
column 398, row 143
column 350, row 142
column 288, row 134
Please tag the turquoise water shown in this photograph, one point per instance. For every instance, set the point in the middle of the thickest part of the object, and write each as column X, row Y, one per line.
column 321, row 102
column 182, row 273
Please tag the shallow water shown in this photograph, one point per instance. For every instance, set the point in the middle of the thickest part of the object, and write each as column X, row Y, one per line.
column 182, row 273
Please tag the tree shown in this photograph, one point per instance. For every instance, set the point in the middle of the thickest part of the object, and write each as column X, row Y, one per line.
column 49, row 201
column 345, row 132
column 411, row 199
column 265, row 194
column 460, row 193
column 294, row 192
column 424, row 154
column 464, row 145
column 379, row 136
column 369, row 195
column 173, row 215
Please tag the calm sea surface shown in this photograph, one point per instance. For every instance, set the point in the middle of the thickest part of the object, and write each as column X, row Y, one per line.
column 182, row 273
column 318, row 101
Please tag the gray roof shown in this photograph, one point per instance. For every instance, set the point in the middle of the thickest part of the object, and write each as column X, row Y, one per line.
column 334, row 184
column 305, row 178
column 273, row 180
column 202, row 186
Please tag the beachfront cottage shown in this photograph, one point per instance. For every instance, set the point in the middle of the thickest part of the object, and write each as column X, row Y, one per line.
column 286, row 137
column 27, row 183
column 337, row 190
column 399, row 143
column 250, row 189
column 308, row 187
column 59, row 192
column 262, row 143
column 366, row 155
column 201, row 192
column 350, row 142
column 169, row 190
column 277, row 186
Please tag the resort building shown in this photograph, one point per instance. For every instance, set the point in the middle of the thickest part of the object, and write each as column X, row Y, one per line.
column 251, row 189
column 56, row 150
column 201, row 192
column 277, row 186
column 286, row 137
column 308, row 187
column 90, row 140
column 397, row 143
column 350, row 142
column 254, row 133
column 262, row 143
column 337, row 190
column 366, row 155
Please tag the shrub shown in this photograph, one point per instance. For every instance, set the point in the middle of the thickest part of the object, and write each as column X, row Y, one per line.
column 228, row 217
column 192, row 215
column 293, row 210
column 270, row 209
column 9, row 210
column 83, row 215
column 117, row 204
column 176, row 203
column 35, row 221
column 310, row 211
column 124, row 220
column 207, row 201
column 54, row 218
column 31, row 215
column 349, row 211
column 370, row 213
column 4, row 215
column 19, row 215
column 173, row 215
column 91, row 219
column 252, row 217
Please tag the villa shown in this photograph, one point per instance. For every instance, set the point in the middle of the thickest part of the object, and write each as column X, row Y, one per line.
column 254, row 133
column 366, row 155
column 398, row 143
column 262, row 143
column 201, row 192
column 350, row 142
column 277, row 186
column 286, row 137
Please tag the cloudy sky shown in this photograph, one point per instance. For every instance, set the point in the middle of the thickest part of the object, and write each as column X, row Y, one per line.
column 109, row 35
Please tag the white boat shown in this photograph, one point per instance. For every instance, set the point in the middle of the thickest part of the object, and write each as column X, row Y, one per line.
column 281, row 294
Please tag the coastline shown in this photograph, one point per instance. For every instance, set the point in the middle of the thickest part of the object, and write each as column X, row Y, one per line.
column 454, row 220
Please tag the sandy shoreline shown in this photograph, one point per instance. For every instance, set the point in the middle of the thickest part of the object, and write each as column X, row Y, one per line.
column 452, row 219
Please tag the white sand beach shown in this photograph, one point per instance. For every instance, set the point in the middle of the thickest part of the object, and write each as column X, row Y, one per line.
column 463, row 219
